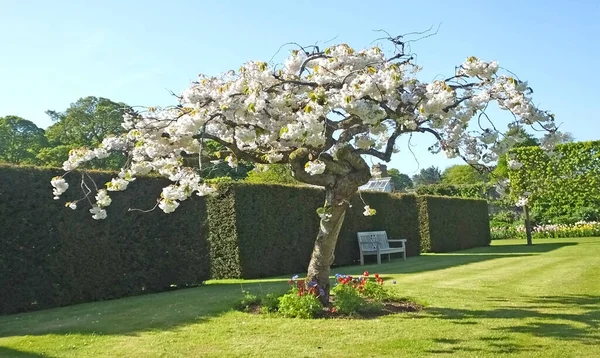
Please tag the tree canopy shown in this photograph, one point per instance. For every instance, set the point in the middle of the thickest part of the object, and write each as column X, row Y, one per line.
column 85, row 123
column 427, row 176
column 322, row 111
column 20, row 140
column 462, row 174
column 401, row 181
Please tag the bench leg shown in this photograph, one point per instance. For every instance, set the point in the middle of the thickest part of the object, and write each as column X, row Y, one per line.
column 362, row 260
column 378, row 258
column 404, row 254
column 389, row 257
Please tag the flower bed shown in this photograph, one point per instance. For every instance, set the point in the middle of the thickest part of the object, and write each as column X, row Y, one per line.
column 579, row 229
column 360, row 297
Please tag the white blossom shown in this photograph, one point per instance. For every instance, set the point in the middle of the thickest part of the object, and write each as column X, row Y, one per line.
column 339, row 97
column 60, row 186
column 168, row 206
column 72, row 205
column 102, row 198
column 117, row 184
column 98, row 213
column 315, row 167
column 369, row 211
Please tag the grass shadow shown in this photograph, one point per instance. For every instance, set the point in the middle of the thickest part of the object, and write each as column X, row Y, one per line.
column 13, row 353
column 169, row 310
column 542, row 317
column 133, row 315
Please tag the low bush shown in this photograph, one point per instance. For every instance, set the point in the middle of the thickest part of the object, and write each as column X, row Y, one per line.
column 300, row 301
column 247, row 302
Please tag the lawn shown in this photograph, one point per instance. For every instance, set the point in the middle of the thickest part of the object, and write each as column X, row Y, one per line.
column 507, row 299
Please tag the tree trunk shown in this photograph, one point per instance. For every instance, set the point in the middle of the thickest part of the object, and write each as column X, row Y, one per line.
column 323, row 251
column 527, row 226
column 345, row 171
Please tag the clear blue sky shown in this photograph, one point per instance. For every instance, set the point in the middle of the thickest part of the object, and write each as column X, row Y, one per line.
column 54, row 52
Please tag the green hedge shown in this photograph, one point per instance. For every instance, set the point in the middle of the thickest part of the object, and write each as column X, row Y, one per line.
column 52, row 256
column 268, row 230
column 473, row 191
column 564, row 188
column 450, row 224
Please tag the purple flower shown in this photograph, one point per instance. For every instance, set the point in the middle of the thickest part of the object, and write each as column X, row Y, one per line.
column 312, row 284
column 294, row 278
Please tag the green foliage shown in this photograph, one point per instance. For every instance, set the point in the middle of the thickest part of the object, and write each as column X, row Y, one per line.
column 296, row 305
column 472, row 191
column 247, row 302
column 449, row 224
column 273, row 174
column 270, row 303
column 375, row 290
column 527, row 140
column 354, row 295
column 506, row 216
column 347, row 299
column 52, row 256
column 401, row 181
column 431, row 175
column 463, row 174
column 20, row 140
column 562, row 185
column 53, row 156
column 85, row 124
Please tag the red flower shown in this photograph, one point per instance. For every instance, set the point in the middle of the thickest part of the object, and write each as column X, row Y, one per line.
column 376, row 275
column 332, row 309
column 366, row 273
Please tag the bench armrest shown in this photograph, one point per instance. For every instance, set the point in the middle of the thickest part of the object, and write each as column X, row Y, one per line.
column 398, row 240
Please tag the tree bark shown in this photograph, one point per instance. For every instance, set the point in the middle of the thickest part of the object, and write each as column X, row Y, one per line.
column 527, row 226
column 323, row 251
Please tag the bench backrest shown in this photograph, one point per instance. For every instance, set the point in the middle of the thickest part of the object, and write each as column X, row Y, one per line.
column 367, row 240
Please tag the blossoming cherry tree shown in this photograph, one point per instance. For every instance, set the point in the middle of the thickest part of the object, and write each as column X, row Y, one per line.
column 323, row 111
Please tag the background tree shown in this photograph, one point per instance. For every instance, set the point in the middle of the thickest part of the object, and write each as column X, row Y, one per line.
column 321, row 112
column 427, row 176
column 84, row 124
column 20, row 140
column 272, row 174
column 463, row 174
column 401, row 181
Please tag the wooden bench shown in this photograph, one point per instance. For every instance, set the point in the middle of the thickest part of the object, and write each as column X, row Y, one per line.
column 377, row 243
